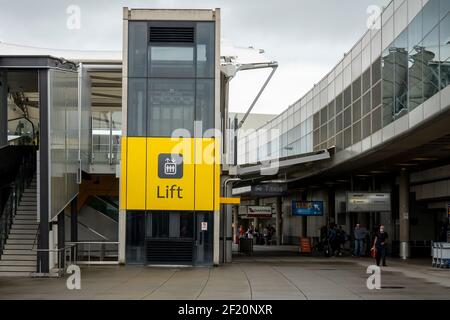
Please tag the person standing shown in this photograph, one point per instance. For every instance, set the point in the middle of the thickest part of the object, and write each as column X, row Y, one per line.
column 380, row 245
column 359, row 234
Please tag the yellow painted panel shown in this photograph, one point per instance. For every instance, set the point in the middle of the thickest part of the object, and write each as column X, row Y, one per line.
column 136, row 171
column 217, row 173
column 230, row 200
column 165, row 193
column 123, row 174
column 204, row 174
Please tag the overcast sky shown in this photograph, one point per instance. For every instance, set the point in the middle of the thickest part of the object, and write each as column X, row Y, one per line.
column 306, row 37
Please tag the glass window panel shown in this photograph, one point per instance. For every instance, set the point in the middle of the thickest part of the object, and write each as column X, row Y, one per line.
column 347, row 76
column 347, row 97
column 376, row 71
column 376, row 46
column 347, row 138
column 171, row 61
column 204, row 105
column 137, row 107
column 366, row 129
column 338, row 84
column 431, row 60
column 357, row 132
column 347, row 117
column 316, row 137
column 356, row 110
column 376, row 120
column 445, row 8
column 445, row 51
column 316, row 122
column 376, row 95
column 366, row 61
column 205, row 49
column 331, row 129
column 356, row 67
column 356, row 89
column 401, row 75
column 339, row 123
column 339, row 142
column 323, row 134
column 135, row 242
column 366, row 104
column 137, row 49
column 323, row 116
column 388, row 86
column 170, row 106
column 331, row 110
column 415, row 34
column 388, row 33
column 366, row 80
column 431, row 16
column 339, row 104
column 401, row 18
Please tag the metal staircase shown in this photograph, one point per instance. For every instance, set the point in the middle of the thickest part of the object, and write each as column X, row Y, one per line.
column 18, row 257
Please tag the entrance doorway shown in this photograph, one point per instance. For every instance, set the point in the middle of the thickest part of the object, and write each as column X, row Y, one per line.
column 170, row 237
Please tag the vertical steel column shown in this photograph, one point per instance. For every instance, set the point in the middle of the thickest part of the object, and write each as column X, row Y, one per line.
column 278, row 224
column 44, row 228
column 74, row 220
column 404, row 213
column 61, row 239
column 3, row 109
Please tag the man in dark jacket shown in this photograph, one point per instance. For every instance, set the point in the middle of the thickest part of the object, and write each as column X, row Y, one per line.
column 380, row 245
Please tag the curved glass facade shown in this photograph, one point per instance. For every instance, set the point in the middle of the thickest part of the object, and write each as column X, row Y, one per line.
column 387, row 74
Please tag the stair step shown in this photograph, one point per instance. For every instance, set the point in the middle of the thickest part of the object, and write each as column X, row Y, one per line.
column 15, row 274
column 16, row 257
column 28, row 203
column 20, row 220
column 16, row 226
column 18, row 252
column 26, row 213
column 26, row 247
column 18, row 263
column 27, row 209
column 23, row 232
column 20, row 241
column 19, row 236
column 17, row 268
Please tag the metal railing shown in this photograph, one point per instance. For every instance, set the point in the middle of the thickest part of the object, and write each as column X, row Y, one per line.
column 64, row 258
column 15, row 189
column 95, row 252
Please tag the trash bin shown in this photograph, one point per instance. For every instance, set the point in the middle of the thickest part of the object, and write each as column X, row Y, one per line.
column 245, row 245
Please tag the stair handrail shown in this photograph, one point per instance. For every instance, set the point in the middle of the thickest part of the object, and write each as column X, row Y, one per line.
column 17, row 188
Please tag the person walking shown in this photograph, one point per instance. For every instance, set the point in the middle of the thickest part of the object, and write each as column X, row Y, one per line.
column 359, row 234
column 380, row 245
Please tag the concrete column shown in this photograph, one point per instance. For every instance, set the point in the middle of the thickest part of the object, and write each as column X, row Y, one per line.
column 404, row 213
column 3, row 109
column 278, row 225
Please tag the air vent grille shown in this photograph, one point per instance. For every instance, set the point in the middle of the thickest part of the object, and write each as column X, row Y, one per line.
column 172, row 34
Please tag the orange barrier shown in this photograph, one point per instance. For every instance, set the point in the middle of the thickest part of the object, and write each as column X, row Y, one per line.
column 305, row 245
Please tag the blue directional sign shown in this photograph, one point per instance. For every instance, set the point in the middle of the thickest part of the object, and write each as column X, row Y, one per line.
column 307, row 208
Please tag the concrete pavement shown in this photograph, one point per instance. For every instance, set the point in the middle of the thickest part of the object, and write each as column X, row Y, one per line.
column 271, row 277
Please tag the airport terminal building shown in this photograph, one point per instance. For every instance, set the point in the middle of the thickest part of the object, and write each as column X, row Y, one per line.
column 369, row 142
column 127, row 157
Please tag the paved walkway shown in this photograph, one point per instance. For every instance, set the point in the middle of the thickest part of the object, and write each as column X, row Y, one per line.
column 274, row 276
